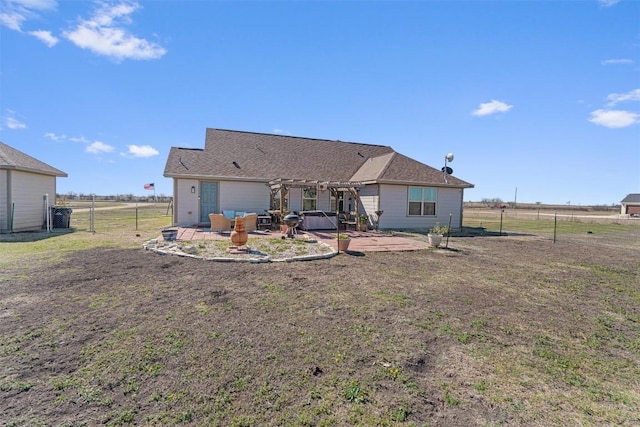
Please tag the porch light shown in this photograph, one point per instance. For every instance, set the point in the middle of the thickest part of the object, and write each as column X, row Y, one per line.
column 193, row 189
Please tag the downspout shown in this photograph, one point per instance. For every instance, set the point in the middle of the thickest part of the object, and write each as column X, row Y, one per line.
column 13, row 210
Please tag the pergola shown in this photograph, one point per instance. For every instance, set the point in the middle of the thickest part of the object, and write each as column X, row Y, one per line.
column 282, row 185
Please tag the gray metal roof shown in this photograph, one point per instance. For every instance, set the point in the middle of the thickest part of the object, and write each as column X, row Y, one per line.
column 631, row 198
column 249, row 156
column 10, row 158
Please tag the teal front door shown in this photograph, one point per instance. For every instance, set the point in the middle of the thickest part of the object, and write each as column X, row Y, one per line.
column 208, row 200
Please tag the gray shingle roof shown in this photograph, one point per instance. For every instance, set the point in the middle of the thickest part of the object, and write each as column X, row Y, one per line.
column 10, row 158
column 255, row 156
column 631, row 198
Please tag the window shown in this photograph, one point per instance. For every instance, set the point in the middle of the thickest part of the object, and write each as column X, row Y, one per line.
column 422, row 201
column 337, row 204
column 309, row 199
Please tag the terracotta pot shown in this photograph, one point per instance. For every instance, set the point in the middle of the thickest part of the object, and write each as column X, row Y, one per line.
column 343, row 244
column 239, row 235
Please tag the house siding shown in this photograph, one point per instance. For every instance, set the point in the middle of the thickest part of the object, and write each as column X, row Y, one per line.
column 369, row 201
column 4, row 201
column 186, row 204
column 28, row 192
column 324, row 201
column 244, row 196
column 393, row 203
column 233, row 195
column 295, row 199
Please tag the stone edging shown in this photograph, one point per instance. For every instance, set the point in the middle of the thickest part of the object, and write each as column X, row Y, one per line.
column 173, row 248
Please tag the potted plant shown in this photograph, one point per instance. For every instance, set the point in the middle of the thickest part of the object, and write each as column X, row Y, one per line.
column 435, row 235
column 363, row 222
column 343, row 241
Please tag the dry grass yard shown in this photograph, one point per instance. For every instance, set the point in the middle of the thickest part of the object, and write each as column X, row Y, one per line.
column 496, row 330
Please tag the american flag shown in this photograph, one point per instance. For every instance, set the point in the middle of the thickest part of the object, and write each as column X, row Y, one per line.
column 149, row 186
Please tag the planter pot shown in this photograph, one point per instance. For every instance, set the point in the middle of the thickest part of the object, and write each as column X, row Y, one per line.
column 434, row 240
column 170, row 234
column 343, row 244
column 363, row 227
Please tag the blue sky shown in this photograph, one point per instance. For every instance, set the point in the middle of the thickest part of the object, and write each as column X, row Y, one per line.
column 542, row 96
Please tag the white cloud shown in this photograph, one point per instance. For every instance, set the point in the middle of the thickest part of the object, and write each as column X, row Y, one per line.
column 104, row 33
column 616, row 98
column 614, row 118
column 79, row 139
column 45, row 36
column 12, row 20
column 13, row 123
column 16, row 12
column 607, row 3
column 142, row 151
column 54, row 137
column 281, row 132
column 621, row 61
column 10, row 121
column 492, row 107
column 99, row 147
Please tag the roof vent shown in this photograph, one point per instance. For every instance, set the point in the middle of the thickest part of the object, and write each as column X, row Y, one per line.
column 236, row 164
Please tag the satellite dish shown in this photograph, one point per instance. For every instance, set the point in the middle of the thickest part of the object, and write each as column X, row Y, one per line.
column 449, row 157
column 447, row 170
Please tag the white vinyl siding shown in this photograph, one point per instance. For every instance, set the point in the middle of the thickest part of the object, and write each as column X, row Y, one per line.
column 369, row 201
column 233, row 195
column 324, row 200
column 27, row 194
column 4, row 201
column 244, row 196
column 394, row 204
column 186, row 204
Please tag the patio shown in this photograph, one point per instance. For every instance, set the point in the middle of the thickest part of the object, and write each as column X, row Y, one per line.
column 369, row 241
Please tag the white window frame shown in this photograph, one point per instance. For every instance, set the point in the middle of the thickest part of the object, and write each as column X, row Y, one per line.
column 428, row 196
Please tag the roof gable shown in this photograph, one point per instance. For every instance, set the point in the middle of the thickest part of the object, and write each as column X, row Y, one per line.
column 263, row 157
column 10, row 158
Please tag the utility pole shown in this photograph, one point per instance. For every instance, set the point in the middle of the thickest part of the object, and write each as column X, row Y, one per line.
column 515, row 199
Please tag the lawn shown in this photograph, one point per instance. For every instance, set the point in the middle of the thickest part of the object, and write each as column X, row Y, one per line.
column 497, row 330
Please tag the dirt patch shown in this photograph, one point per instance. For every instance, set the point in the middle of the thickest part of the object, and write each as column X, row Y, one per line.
column 467, row 336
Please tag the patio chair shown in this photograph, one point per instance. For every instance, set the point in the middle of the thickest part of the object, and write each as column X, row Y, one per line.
column 219, row 222
column 348, row 220
column 251, row 221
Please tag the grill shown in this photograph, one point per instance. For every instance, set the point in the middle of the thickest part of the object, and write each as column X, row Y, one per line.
column 291, row 221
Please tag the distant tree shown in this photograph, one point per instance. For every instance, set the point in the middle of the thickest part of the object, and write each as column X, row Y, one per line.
column 496, row 202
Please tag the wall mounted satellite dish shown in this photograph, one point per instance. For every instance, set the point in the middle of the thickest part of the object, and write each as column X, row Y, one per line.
column 447, row 170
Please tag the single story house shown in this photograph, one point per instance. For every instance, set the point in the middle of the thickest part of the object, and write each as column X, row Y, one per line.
column 255, row 172
column 631, row 205
column 25, row 184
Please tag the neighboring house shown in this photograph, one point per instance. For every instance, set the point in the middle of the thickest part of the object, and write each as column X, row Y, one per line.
column 254, row 172
column 631, row 205
column 25, row 183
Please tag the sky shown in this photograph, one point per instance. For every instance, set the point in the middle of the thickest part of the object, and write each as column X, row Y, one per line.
column 539, row 101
